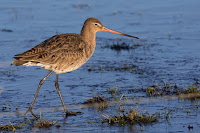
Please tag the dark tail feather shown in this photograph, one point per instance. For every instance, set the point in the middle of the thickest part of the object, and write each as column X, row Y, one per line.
column 18, row 62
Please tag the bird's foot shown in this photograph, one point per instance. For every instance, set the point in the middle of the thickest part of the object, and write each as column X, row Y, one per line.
column 30, row 110
column 67, row 113
column 71, row 113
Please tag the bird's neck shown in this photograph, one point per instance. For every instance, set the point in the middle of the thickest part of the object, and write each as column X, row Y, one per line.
column 89, row 38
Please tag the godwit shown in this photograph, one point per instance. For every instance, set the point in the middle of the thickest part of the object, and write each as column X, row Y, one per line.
column 63, row 53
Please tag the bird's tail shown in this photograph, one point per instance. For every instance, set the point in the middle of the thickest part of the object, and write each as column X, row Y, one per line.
column 18, row 62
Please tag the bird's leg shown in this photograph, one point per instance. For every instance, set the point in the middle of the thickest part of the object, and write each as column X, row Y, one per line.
column 40, row 84
column 65, row 109
column 57, row 87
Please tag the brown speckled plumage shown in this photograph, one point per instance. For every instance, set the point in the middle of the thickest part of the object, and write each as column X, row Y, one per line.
column 60, row 53
column 63, row 53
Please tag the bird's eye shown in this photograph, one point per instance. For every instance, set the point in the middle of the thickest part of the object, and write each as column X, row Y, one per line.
column 96, row 24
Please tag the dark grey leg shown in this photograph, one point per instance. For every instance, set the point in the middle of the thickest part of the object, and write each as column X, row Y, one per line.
column 57, row 88
column 65, row 109
column 40, row 84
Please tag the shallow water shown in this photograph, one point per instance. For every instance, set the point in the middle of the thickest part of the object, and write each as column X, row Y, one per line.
column 168, row 52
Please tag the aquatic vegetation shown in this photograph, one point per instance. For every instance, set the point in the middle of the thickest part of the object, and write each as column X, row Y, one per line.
column 192, row 89
column 96, row 102
column 126, row 115
column 168, row 114
column 197, row 106
column 58, row 125
column 157, row 90
column 122, row 46
column 11, row 127
column 115, row 98
column 37, row 123
column 123, row 67
column 98, row 99
column 113, row 90
column 167, row 89
column 17, row 107
column 131, row 116
column 6, row 30
column 154, row 91
column 6, row 107
column 80, row 5
column 44, row 124
column 119, row 45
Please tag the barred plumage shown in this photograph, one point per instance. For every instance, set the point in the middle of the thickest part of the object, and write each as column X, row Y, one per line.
column 63, row 53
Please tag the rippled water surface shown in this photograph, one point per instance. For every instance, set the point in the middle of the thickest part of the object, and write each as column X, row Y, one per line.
column 167, row 52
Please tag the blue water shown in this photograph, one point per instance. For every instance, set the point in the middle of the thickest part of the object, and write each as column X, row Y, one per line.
column 169, row 36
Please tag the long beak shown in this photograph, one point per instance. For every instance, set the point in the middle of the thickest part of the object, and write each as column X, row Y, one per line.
column 115, row 32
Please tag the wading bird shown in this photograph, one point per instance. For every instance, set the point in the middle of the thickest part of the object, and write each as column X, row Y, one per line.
column 63, row 53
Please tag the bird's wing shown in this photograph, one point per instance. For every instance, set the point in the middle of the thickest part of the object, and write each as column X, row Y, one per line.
column 68, row 41
column 53, row 49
